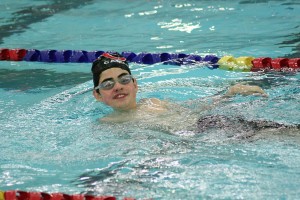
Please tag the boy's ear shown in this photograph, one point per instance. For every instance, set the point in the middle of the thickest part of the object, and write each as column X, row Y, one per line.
column 135, row 84
column 97, row 95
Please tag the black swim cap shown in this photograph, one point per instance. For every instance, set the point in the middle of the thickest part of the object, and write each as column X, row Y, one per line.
column 107, row 61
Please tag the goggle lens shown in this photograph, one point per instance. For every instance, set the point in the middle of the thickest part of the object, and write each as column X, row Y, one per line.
column 109, row 84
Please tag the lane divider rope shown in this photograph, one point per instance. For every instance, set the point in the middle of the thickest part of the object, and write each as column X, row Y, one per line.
column 244, row 63
column 24, row 195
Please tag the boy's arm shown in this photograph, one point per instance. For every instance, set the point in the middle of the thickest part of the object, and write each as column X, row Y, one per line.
column 212, row 102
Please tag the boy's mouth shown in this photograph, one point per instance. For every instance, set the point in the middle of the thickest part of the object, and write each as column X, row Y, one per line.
column 120, row 96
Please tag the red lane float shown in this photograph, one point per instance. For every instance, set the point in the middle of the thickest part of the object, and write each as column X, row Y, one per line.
column 294, row 63
column 4, row 54
column 23, row 195
column 261, row 63
column 277, row 64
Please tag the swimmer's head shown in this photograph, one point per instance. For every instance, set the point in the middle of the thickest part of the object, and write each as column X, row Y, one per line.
column 108, row 61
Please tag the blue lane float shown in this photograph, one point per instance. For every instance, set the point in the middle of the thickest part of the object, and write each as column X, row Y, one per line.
column 244, row 63
column 81, row 56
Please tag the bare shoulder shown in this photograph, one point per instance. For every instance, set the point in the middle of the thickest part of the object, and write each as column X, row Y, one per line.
column 153, row 105
column 154, row 101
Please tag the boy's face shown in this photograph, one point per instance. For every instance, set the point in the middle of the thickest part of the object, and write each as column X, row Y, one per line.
column 120, row 97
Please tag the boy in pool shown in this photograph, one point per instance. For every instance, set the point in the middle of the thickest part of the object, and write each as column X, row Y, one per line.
column 115, row 87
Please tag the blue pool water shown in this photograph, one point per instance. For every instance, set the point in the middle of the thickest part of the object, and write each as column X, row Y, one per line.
column 51, row 139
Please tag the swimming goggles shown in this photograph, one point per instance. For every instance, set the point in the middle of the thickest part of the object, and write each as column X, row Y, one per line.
column 109, row 84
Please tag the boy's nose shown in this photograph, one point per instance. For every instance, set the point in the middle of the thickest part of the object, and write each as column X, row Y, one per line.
column 118, row 86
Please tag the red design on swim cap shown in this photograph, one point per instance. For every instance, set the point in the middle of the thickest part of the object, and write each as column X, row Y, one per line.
column 107, row 55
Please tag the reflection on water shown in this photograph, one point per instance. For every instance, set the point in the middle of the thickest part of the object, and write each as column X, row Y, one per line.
column 29, row 79
column 149, row 164
column 204, row 26
column 23, row 18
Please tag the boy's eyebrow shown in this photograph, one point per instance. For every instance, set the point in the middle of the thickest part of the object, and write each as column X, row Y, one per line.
column 123, row 74
column 109, row 79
